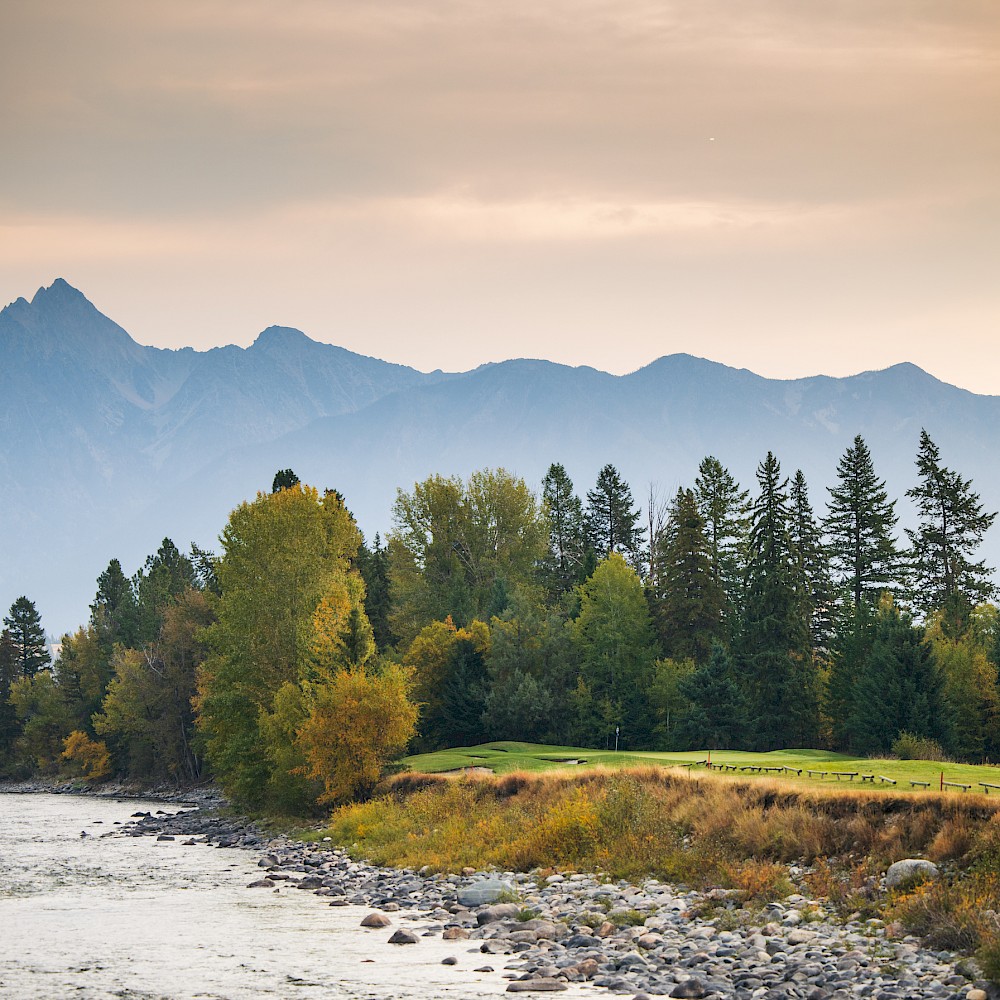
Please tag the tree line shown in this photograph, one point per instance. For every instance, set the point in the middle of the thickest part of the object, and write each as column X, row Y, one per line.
column 298, row 661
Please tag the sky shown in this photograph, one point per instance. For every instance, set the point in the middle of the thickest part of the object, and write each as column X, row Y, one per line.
column 795, row 188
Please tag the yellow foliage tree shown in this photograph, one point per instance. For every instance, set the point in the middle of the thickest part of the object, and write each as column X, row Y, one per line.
column 359, row 721
column 86, row 758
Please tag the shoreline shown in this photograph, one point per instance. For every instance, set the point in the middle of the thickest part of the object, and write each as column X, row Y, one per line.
column 563, row 931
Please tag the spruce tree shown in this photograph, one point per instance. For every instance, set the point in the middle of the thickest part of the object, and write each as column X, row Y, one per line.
column 779, row 678
column 162, row 579
column 813, row 565
column 716, row 717
column 9, row 673
column 23, row 626
column 951, row 527
column 284, row 479
column 612, row 517
column 851, row 649
column 114, row 613
column 900, row 687
column 858, row 525
column 686, row 599
column 373, row 564
column 725, row 510
column 564, row 564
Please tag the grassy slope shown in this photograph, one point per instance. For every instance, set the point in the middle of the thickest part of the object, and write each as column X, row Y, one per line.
column 504, row 757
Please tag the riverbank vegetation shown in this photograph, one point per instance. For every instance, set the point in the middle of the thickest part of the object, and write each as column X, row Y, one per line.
column 704, row 831
column 299, row 660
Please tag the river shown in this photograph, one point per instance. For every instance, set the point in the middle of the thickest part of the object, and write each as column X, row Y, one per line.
column 139, row 919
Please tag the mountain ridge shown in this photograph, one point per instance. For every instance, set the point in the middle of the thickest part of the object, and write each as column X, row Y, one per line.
column 136, row 442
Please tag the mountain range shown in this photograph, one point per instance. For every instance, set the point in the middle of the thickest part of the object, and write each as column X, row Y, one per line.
column 107, row 446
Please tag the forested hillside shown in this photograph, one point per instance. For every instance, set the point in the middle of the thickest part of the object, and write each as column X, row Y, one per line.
column 296, row 662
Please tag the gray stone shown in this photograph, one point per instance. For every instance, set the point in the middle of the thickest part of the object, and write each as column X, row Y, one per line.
column 692, row 989
column 403, row 937
column 537, row 986
column 910, row 868
column 483, row 892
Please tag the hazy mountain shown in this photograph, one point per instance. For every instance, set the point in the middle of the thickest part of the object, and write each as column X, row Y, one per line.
column 108, row 446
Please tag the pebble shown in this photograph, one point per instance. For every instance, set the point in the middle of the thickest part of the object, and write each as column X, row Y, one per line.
column 579, row 927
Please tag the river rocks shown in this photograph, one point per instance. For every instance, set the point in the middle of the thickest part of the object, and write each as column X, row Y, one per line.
column 403, row 937
column 729, row 951
column 537, row 986
column 484, row 892
column 903, row 871
column 376, row 920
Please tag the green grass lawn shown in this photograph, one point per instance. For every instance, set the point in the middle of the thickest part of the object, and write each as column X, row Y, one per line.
column 503, row 757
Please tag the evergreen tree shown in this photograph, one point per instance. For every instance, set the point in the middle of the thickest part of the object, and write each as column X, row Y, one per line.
column 858, row 525
column 567, row 531
column 780, row 680
column 687, row 600
column 162, row 579
column 813, row 566
column 285, row 479
column 951, row 527
column 851, row 649
column 373, row 564
column 612, row 517
column 9, row 673
column 900, row 689
column 724, row 508
column 114, row 613
column 23, row 626
column 716, row 716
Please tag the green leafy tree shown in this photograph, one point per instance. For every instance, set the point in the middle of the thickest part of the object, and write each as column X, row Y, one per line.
column 282, row 555
column 725, row 509
column 613, row 518
column 952, row 523
column 23, row 626
column 84, row 670
column 617, row 649
column 780, row 681
column 859, row 527
column 44, row 720
column 686, row 599
column 456, row 548
column 567, row 556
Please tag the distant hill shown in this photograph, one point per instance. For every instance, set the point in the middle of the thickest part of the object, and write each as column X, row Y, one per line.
column 107, row 445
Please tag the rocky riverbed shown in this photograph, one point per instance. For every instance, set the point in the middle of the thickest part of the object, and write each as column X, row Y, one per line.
column 651, row 939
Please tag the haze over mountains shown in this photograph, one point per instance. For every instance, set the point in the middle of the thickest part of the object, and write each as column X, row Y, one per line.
column 108, row 446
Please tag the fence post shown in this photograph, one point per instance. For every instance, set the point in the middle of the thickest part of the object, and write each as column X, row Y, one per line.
column 942, row 781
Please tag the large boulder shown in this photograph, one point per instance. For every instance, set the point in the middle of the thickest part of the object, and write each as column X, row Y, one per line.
column 909, row 869
column 484, row 892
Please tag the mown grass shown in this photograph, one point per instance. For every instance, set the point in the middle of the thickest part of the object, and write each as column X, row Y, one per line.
column 506, row 757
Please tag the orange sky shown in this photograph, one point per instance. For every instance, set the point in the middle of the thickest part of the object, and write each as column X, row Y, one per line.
column 789, row 187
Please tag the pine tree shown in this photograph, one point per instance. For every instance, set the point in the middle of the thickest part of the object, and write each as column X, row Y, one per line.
column 813, row 565
column 900, row 687
column 716, row 717
column 612, row 517
column 725, row 509
column 23, row 626
column 951, row 527
column 162, row 579
column 284, row 479
column 373, row 564
column 851, row 649
column 686, row 600
column 9, row 673
column 779, row 678
column 858, row 525
column 114, row 613
column 567, row 532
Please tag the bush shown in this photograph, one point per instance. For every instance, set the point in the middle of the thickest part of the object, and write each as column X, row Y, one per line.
column 907, row 746
column 86, row 758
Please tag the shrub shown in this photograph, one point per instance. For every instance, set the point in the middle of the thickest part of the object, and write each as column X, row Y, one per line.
column 907, row 746
column 86, row 758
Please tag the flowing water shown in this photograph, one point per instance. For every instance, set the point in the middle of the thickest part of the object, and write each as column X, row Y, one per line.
column 141, row 919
